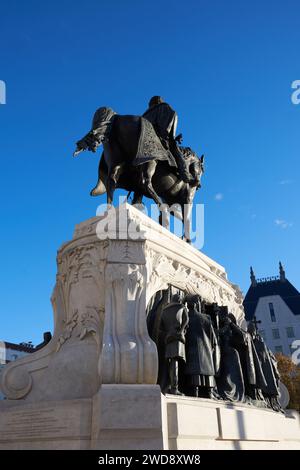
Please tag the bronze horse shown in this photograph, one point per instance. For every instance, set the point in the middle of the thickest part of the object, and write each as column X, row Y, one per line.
column 155, row 179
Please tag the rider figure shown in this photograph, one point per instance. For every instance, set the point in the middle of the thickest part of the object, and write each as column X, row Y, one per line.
column 164, row 120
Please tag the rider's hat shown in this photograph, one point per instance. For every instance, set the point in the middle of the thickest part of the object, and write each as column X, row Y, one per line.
column 155, row 100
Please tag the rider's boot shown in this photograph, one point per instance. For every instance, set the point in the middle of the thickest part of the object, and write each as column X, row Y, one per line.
column 98, row 189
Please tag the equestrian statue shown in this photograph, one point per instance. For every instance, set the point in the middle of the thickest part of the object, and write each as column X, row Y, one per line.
column 142, row 154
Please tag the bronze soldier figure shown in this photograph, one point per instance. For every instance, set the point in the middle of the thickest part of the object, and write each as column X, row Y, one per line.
column 174, row 322
column 230, row 382
column 254, row 378
column 201, row 342
column 268, row 363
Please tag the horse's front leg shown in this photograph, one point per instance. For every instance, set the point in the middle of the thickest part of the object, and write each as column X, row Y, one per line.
column 187, row 224
column 187, row 209
column 164, row 216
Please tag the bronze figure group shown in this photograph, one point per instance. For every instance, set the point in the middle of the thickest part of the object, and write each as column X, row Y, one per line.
column 204, row 353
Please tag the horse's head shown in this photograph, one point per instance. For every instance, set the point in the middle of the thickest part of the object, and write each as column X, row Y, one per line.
column 195, row 166
column 196, row 171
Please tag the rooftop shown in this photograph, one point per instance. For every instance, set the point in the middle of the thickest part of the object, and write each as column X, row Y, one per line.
column 24, row 347
column 265, row 287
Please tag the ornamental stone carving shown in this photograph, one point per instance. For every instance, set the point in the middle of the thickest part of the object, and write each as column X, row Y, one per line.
column 103, row 287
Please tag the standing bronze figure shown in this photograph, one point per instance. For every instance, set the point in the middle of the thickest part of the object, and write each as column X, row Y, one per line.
column 201, row 341
column 174, row 323
column 270, row 390
column 230, row 382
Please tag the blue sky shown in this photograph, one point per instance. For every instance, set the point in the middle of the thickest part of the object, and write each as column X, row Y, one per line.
column 227, row 69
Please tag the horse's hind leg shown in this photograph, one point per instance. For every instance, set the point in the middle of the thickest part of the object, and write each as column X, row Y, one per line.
column 164, row 218
column 115, row 162
column 137, row 198
column 148, row 172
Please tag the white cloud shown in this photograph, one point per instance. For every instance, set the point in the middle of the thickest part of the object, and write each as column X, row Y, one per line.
column 284, row 182
column 219, row 196
column 283, row 223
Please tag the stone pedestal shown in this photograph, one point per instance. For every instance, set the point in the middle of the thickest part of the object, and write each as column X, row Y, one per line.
column 194, row 423
column 106, row 276
column 128, row 417
column 138, row 417
column 94, row 384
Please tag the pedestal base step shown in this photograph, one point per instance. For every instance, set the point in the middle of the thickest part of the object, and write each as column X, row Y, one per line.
column 139, row 417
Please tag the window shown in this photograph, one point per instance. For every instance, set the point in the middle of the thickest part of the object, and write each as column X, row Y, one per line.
column 272, row 312
column 262, row 334
column 290, row 332
column 292, row 349
column 278, row 349
column 275, row 333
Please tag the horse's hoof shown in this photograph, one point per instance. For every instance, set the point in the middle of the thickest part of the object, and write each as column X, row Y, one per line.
column 139, row 206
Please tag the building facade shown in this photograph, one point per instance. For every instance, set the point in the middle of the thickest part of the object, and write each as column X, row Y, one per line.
column 274, row 303
column 11, row 352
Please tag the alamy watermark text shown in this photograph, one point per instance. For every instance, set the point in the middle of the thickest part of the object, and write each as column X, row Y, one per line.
column 295, row 97
column 2, row 92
